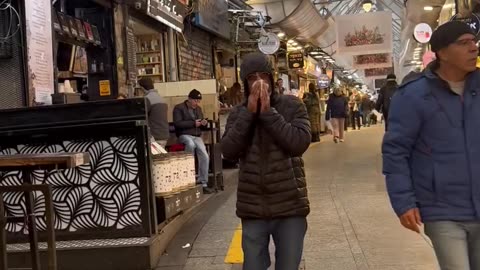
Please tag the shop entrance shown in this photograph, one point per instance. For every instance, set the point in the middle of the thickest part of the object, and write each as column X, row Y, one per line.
column 149, row 52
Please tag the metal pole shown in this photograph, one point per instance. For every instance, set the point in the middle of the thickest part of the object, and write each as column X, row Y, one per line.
column 31, row 222
column 171, row 55
column 3, row 237
column 52, row 253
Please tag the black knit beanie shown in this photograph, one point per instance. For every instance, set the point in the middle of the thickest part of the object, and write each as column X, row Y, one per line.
column 448, row 33
column 195, row 94
column 255, row 62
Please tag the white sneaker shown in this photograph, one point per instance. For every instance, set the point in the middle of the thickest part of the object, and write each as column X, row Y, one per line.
column 342, row 140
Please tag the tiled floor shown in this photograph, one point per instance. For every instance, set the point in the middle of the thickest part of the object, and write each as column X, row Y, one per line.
column 351, row 225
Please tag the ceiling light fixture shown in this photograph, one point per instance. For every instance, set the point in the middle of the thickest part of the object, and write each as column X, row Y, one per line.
column 291, row 41
column 367, row 5
column 294, row 43
column 428, row 8
column 281, row 35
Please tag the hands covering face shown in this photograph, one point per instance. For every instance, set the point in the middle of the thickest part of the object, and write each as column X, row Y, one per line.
column 259, row 92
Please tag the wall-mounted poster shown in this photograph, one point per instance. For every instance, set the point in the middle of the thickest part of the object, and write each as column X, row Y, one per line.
column 38, row 15
column 365, row 33
column 376, row 60
column 373, row 72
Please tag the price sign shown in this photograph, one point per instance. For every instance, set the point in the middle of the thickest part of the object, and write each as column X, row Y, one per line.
column 105, row 88
column 295, row 60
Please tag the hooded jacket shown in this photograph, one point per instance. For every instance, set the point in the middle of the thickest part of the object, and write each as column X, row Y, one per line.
column 269, row 146
column 431, row 151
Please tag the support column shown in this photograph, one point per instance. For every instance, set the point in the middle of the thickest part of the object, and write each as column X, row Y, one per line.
column 172, row 56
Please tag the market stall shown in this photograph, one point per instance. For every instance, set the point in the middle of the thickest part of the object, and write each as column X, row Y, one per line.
column 104, row 210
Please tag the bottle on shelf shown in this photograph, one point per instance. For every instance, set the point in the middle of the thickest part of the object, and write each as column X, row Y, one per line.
column 94, row 66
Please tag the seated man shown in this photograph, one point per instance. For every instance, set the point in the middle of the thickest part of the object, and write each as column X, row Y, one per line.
column 189, row 122
column 157, row 112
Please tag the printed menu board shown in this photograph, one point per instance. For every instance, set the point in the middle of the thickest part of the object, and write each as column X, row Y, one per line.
column 40, row 50
column 295, row 60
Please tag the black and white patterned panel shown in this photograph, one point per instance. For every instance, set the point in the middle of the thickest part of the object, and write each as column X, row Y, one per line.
column 102, row 194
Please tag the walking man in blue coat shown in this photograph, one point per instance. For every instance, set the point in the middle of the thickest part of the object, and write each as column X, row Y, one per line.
column 431, row 151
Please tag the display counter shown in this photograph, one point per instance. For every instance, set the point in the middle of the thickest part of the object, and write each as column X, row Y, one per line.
column 107, row 203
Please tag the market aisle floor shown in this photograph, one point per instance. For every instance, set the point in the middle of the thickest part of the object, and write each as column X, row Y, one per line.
column 351, row 225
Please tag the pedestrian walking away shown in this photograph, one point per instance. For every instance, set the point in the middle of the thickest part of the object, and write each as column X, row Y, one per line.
column 385, row 97
column 337, row 108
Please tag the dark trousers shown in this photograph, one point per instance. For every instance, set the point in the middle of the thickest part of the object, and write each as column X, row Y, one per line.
column 385, row 118
column 288, row 235
column 366, row 118
column 355, row 119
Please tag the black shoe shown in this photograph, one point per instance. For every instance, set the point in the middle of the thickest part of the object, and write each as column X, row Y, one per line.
column 207, row 190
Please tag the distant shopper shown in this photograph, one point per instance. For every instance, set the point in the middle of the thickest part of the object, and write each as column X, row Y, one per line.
column 279, row 87
column 337, row 107
column 431, row 150
column 189, row 122
column 157, row 112
column 312, row 102
column 268, row 134
column 366, row 108
column 385, row 95
column 355, row 101
column 234, row 95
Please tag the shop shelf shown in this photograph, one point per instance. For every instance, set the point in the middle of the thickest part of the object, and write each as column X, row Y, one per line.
column 150, row 75
column 146, row 64
column 149, row 52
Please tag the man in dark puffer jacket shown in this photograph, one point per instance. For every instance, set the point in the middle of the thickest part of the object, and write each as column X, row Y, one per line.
column 268, row 134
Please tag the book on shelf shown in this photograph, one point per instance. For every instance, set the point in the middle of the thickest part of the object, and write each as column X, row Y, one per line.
column 64, row 23
column 88, row 32
column 73, row 26
column 96, row 35
column 81, row 29
column 80, row 62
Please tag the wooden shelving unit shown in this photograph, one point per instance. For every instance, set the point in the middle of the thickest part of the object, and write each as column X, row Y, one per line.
column 150, row 57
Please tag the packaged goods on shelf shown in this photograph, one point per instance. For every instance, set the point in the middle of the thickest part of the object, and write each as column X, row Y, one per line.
column 173, row 172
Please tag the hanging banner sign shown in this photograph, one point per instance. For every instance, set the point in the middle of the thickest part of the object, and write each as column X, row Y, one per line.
column 422, row 33
column 473, row 21
column 269, row 43
column 365, row 33
column 38, row 15
column 295, row 60
column 376, row 60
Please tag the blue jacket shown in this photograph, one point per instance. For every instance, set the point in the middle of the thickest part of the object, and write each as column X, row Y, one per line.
column 336, row 107
column 431, row 152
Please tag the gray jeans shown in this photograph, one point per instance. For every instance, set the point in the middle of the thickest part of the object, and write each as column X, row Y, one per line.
column 456, row 244
column 288, row 235
column 196, row 145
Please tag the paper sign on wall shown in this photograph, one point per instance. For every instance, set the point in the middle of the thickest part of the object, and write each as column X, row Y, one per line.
column 104, row 88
